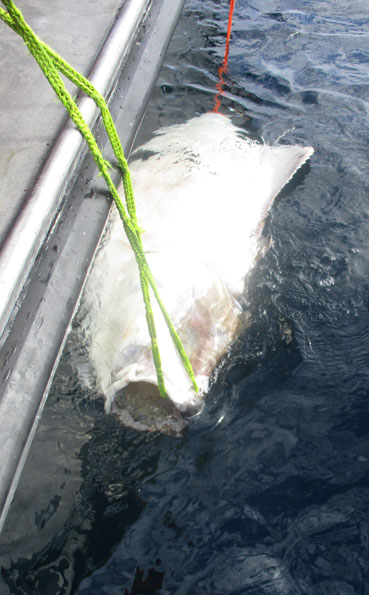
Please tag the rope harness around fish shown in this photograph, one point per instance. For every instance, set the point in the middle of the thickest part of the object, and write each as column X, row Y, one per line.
column 52, row 65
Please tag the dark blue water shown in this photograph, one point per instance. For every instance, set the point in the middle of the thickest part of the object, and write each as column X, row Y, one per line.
column 268, row 491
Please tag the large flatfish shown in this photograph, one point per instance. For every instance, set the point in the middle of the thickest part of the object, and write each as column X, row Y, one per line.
column 202, row 190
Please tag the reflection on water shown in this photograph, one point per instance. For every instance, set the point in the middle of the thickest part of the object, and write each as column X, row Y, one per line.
column 268, row 492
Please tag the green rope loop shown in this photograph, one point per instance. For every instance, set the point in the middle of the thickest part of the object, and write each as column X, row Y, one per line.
column 51, row 65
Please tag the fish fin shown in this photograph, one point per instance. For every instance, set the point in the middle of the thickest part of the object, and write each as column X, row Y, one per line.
column 284, row 161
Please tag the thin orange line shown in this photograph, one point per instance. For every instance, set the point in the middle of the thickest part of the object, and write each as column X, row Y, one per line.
column 231, row 7
column 224, row 66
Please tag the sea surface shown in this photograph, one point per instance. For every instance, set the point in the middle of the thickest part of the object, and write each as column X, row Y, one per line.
column 268, row 490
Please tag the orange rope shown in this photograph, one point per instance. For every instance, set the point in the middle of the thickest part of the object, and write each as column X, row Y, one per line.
column 224, row 66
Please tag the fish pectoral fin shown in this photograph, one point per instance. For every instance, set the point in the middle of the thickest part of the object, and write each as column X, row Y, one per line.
column 284, row 161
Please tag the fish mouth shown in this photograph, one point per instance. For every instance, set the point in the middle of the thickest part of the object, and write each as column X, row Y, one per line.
column 139, row 405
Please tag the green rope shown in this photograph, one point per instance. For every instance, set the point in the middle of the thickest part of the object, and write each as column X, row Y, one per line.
column 51, row 64
column 85, row 85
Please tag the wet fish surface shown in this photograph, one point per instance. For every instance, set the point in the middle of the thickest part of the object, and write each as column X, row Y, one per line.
column 202, row 191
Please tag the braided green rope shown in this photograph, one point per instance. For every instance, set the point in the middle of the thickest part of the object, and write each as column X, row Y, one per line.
column 85, row 85
column 51, row 64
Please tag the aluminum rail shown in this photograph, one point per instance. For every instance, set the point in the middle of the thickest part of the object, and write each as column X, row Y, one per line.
column 53, row 259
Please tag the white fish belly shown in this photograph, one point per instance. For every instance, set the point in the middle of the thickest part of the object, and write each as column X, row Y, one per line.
column 202, row 191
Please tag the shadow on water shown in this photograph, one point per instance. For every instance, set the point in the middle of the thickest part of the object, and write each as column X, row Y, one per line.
column 267, row 492
column 105, row 503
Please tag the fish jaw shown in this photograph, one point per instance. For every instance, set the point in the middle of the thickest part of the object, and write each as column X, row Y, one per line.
column 205, row 316
column 140, row 406
column 179, row 391
column 133, row 396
